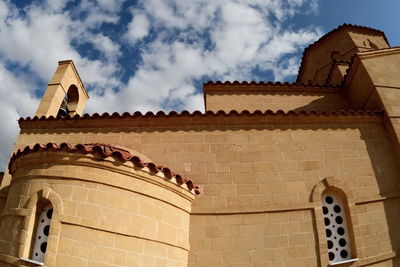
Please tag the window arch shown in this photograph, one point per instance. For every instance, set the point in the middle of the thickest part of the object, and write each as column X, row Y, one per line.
column 69, row 102
column 335, row 55
column 335, row 214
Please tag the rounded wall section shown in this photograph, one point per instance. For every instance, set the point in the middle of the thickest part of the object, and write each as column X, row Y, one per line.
column 113, row 212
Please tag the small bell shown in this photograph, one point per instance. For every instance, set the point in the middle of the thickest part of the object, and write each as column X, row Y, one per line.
column 63, row 111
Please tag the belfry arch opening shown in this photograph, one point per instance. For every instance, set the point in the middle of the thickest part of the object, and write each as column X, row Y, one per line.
column 69, row 102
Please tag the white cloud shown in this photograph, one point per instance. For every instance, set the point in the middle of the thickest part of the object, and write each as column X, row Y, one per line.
column 93, row 13
column 40, row 39
column 106, row 46
column 36, row 41
column 189, row 40
column 55, row 5
column 240, row 34
column 221, row 39
column 138, row 28
column 15, row 100
column 3, row 10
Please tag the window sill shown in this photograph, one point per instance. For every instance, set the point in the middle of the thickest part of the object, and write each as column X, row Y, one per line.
column 32, row 261
column 343, row 262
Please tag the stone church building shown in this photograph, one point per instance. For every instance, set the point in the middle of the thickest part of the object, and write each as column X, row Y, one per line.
column 271, row 174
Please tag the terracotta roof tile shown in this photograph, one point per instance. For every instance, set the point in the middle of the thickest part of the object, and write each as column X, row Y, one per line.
column 105, row 150
column 269, row 83
column 162, row 120
column 329, row 34
column 198, row 113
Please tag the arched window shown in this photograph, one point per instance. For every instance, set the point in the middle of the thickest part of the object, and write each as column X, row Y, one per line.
column 41, row 236
column 335, row 55
column 337, row 229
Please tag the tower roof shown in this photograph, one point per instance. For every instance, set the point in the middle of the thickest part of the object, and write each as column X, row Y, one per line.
column 327, row 36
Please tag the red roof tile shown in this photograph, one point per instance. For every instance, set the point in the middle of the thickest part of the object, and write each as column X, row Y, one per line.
column 269, row 83
column 197, row 118
column 104, row 150
column 198, row 113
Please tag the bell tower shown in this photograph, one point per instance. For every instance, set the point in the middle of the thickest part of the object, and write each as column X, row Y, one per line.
column 65, row 93
column 327, row 60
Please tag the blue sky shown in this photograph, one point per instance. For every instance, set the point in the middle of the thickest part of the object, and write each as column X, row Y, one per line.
column 382, row 15
column 155, row 54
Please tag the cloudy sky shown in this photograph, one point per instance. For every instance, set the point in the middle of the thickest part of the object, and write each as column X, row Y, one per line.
column 155, row 54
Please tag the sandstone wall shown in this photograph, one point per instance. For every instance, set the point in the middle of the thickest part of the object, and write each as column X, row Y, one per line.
column 257, row 182
column 286, row 101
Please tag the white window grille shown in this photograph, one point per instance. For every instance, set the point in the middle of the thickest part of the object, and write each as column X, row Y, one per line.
column 336, row 228
column 42, row 234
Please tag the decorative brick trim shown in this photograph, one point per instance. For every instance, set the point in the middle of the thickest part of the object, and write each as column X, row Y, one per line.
column 197, row 118
column 328, row 183
column 47, row 193
column 104, row 151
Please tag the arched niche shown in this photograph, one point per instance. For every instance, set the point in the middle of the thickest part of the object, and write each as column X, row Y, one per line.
column 335, row 55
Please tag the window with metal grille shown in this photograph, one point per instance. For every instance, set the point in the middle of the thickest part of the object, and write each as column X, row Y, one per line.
column 42, row 233
column 336, row 227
